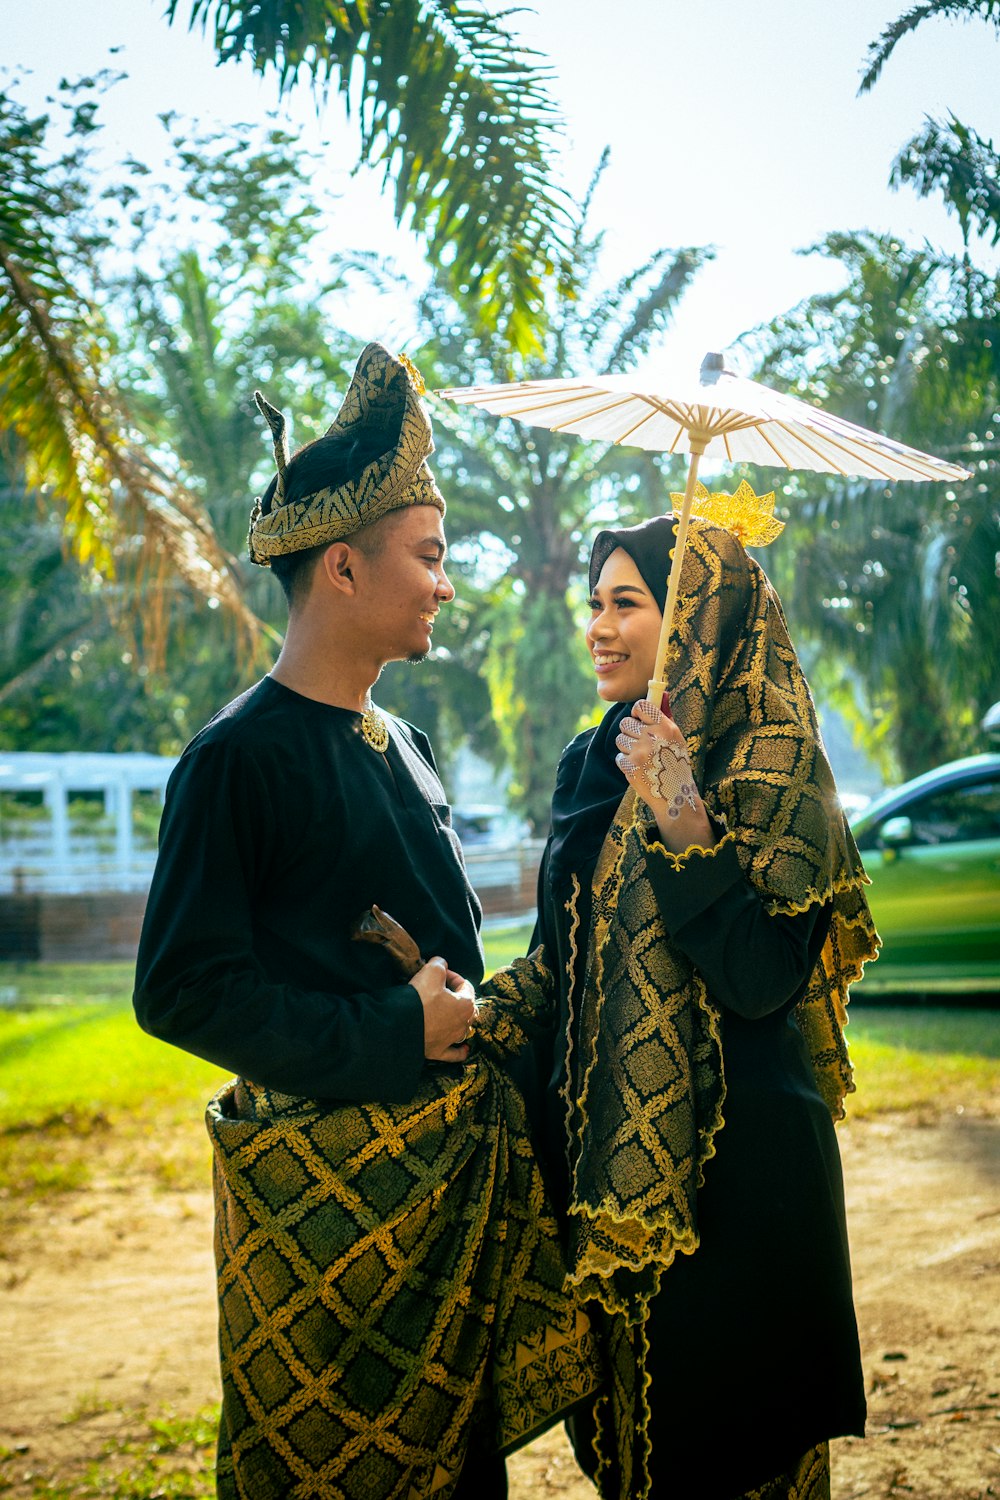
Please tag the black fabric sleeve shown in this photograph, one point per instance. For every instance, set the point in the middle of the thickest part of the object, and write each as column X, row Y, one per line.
column 753, row 963
column 199, row 983
column 540, row 936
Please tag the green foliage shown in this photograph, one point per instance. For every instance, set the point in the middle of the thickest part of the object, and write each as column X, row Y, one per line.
column 228, row 289
column 895, row 588
column 453, row 109
column 82, row 1058
column 216, row 300
column 65, row 422
column 503, row 944
column 882, row 49
column 71, row 674
column 540, row 690
column 231, row 292
column 83, row 1090
column 167, row 1456
column 953, row 159
column 932, row 1060
column 898, row 583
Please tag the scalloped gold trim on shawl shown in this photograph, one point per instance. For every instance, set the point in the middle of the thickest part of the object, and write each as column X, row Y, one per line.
column 678, row 861
column 623, row 1410
column 573, row 912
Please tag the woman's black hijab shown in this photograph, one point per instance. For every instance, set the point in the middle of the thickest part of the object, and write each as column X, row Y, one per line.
column 589, row 786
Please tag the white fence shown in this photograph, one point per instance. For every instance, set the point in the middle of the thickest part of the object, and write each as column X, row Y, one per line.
column 77, row 823
column 81, row 824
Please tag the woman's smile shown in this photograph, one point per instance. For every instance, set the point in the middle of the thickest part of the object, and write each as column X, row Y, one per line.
column 607, row 661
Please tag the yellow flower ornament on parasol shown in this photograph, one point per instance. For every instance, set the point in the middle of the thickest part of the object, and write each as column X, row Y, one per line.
column 749, row 517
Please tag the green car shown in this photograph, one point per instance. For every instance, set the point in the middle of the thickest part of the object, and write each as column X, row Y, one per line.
column 932, row 851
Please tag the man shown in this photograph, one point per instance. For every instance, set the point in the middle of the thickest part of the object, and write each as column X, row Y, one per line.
column 371, row 1210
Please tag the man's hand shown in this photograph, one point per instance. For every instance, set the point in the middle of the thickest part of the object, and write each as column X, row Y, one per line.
column 449, row 1003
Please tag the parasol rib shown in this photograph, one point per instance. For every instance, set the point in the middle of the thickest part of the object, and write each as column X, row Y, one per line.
column 563, row 398
column 657, row 685
column 774, row 447
column 923, row 468
column 596, row 411
column 781, row 430
column 840, row 447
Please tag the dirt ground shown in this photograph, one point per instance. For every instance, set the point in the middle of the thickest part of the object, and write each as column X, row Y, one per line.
column 107, row 1307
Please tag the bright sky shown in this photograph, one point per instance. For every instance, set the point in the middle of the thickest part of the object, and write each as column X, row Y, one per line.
column 730, row 123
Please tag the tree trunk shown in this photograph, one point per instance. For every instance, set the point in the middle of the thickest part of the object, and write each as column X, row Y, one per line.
column 921, row 736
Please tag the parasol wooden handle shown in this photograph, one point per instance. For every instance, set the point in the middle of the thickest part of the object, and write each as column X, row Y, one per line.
column 657, row 683
column 376, row 926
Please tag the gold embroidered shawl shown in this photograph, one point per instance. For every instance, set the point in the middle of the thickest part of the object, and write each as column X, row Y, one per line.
column 646, row 1090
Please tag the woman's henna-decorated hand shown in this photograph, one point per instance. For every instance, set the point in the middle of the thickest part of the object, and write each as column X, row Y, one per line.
column 653, row 757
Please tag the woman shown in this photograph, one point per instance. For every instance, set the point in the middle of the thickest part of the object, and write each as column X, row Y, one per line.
column 701, row 915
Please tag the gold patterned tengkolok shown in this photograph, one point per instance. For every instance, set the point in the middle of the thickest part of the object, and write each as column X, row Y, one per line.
column 383, row 402
column 374, row 729
column 749, row 517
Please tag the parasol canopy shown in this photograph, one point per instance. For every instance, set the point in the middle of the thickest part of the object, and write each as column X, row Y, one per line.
column 718, row 415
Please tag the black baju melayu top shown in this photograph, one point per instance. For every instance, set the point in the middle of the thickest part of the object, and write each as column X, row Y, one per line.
column 281, row 826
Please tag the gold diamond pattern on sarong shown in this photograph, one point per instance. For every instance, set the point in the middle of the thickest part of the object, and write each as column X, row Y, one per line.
column 389, row 1279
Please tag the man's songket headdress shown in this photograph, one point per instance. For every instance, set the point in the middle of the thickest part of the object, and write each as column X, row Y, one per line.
column 382, row 401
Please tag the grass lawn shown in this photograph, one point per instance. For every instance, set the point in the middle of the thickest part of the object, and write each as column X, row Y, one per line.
column 154, row 1456
column 937, row 1059
column 85, row 1093
column 86, row 1097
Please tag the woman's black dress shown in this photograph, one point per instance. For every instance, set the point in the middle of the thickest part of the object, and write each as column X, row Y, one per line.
column 753, row 1346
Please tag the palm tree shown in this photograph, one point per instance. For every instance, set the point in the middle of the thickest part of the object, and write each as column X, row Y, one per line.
column 951, row 158
column 127, row 513
column 898, row 584
column 524, row 503
column 456, row 113
column 459, row 118
column 946, row 156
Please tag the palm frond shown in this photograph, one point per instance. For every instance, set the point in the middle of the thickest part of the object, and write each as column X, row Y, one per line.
column 124, row 514
column 882, row 48
column 951, row 158
column 456, row 112
column 655, row 309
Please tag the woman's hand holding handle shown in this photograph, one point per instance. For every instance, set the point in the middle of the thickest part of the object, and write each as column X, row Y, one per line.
column 653, row 758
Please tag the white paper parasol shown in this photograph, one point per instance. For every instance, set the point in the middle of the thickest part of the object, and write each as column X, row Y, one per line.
column 718, row 415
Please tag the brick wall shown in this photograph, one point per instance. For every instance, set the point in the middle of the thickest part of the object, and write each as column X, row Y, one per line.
column 94, row 928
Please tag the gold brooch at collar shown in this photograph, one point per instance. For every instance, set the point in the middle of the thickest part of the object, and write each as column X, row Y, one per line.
column 374, row 729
